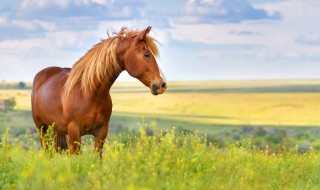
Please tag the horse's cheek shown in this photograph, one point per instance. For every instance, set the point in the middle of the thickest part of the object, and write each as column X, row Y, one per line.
column 136, row 70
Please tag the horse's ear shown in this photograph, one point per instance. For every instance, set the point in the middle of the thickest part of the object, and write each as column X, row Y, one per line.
column 144, row 33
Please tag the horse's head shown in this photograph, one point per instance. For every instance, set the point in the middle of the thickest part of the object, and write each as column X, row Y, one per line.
column 140, row 62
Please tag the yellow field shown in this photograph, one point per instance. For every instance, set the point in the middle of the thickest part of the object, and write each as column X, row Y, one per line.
column 284, row 109
column 277, row 103
column 22, row 97
column 243, row 103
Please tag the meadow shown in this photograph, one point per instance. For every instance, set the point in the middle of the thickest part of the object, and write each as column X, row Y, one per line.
column 163, row 161
column 198, row 135
column 267, row 112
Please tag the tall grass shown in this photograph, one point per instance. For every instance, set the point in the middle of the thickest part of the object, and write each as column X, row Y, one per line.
column 163, row 161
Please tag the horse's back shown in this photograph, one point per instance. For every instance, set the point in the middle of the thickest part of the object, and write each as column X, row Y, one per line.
column 46, row 74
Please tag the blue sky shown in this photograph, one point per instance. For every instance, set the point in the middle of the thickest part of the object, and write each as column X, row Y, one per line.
column 200, row 39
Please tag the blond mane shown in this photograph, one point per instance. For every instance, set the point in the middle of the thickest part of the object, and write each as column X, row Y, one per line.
column 100, row 62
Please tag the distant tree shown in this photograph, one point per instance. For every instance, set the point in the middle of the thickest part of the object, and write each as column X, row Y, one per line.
column 21, row 85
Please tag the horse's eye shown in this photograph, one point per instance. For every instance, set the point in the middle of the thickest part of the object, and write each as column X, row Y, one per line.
column 147, row 55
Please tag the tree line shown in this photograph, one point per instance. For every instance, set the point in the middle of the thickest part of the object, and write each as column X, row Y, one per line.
column 10, row 85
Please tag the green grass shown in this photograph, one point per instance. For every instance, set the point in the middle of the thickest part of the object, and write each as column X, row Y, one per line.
column 164, row 161
column 18, row 121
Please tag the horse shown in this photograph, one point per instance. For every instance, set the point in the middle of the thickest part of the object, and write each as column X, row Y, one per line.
column 77, row 100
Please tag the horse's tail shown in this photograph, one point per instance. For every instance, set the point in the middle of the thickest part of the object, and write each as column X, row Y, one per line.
column 61, row 142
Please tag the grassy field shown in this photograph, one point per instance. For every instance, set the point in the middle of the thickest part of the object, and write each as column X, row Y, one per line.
column 206, row 106
column 265, row 109
column 226, row 103
column 163, row 161
column 212, row 103
column 252, row 135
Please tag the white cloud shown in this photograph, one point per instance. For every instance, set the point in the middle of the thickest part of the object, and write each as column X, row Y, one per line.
column 221, row 11
column 22, row 45
column 3, row 21
column 223, row 34
column 50, row 10
column 34, row 22
column 309, row 39
column 40, row 4
column 65, row 39
column 51, row 41
column 162, row 36
column 293, row 38
column 33, row 25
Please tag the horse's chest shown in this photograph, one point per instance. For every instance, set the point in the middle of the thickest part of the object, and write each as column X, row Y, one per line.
column 95, row 120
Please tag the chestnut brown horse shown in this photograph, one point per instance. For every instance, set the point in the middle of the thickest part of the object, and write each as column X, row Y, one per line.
column 78, row 99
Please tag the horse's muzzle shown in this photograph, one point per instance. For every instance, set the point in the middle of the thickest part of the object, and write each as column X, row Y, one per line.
column 158, row 89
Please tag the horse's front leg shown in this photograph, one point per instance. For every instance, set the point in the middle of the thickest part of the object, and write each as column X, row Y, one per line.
column 99, row 139
column 74, row 138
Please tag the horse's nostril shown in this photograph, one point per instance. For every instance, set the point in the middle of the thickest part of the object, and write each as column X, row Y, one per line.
column 154, row 89
column 164, row 85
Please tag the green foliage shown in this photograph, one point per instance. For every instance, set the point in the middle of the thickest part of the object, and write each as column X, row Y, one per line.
column 8, row 104
column 48, row 140
column 163, row 161
column 11, row 103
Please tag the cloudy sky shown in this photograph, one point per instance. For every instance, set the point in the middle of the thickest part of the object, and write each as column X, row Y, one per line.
column 200, row 39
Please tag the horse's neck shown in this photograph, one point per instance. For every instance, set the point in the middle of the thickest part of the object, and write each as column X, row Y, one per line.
column 105, row 86
column 109, row 81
